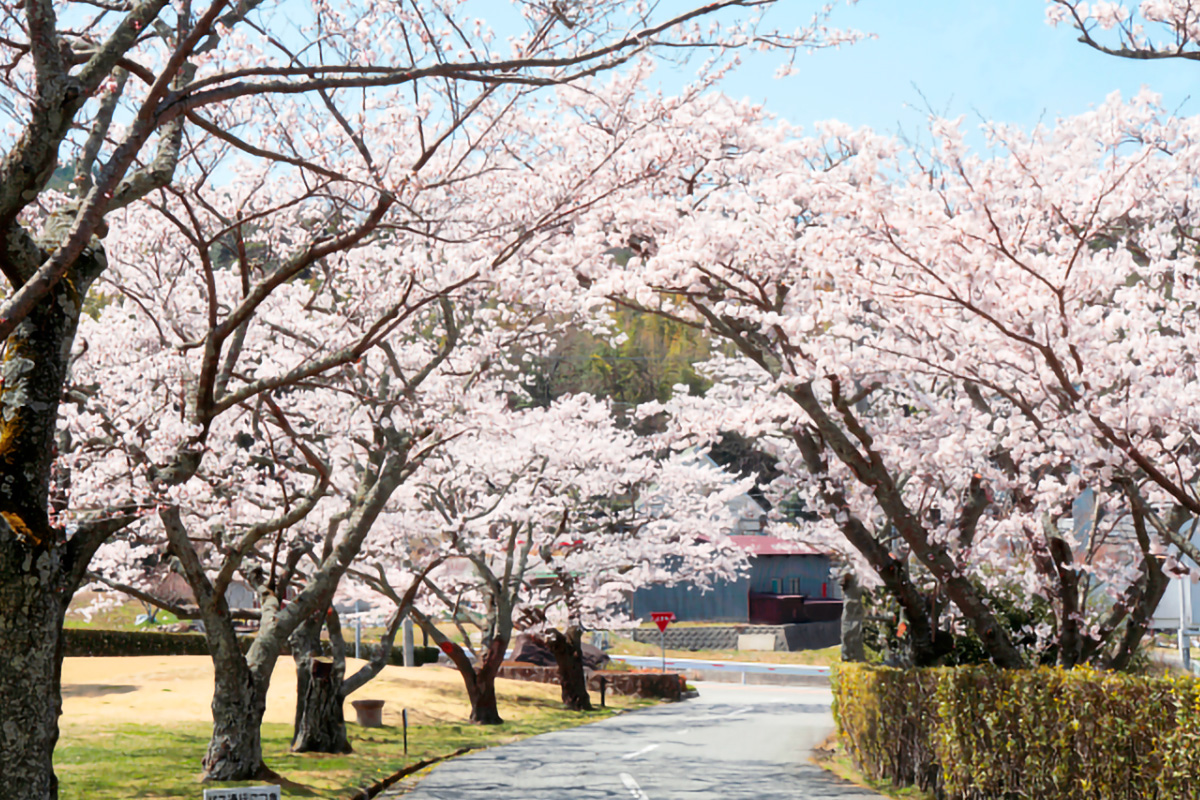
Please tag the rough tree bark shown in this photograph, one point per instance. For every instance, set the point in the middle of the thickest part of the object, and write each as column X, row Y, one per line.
column 239, row 701
column 40, row 568
column 852, row 620
column 320, row 708
column 480, row 681
column 320, row 725
column 31, row 613
column 240, row 681
column 482, row 689
column 567, row 649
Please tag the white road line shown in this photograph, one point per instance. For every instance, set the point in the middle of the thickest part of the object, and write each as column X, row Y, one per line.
column 711, row 717
column 634, row 790
column 641, row 752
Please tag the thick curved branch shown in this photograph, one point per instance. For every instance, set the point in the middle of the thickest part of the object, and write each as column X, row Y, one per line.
column 380, row 660
column 180, row 610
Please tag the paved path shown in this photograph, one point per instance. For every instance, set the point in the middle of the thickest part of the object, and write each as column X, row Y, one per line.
column 731, row 742
column 745, row 667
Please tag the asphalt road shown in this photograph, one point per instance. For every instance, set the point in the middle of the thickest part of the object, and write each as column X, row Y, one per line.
column 731, row 742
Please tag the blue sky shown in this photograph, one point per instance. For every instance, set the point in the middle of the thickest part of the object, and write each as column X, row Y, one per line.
column 995, row 58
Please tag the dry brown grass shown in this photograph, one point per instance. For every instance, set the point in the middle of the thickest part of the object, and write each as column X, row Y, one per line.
column 162, row 690
column 137, row 727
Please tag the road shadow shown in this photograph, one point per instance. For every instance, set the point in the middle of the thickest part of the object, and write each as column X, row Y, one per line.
column 556, row 762
column 751, row 782
column 96, row 689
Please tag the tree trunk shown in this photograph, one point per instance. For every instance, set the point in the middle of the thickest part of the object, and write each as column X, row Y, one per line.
column 30, row 667
column 484, row 708
column 240, row 685
column 481, row 690
column 568, row 655
column 480, row 681
column 320, row 725
column 852, row 620
column 870, row 470
column 239, row 701
column 39, row 569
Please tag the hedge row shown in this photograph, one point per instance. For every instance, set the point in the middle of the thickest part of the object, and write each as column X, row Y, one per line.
column 979, row 733
column 79, row 642
column 83, row 642
column 422, row 655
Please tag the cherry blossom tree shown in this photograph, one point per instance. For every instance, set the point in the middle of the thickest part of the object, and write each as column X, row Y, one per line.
column 953, row 346
column 554, row 515
column 1158, row 29
column 303, row 470
column 1091, row 339
column 137, row 97
column 308, row 344
column 667, row 531
column 305, row 335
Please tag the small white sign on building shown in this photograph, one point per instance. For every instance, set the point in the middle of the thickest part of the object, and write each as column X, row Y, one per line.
column 244, row 793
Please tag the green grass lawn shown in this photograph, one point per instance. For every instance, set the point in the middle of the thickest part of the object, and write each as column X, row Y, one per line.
column 120, row 618
column 831, row 755
column 132, row 761
column 844, row 768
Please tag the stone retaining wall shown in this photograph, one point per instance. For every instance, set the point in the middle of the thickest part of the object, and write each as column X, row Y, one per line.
column 635, row 684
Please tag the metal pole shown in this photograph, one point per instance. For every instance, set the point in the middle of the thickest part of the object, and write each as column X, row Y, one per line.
column 404, row 719
column 1185, row 642
column 662, row 640
column 357, row 631
column 409, row 657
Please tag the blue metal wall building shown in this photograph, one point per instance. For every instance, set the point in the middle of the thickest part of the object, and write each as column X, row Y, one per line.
column 771, row 572
column 783, row 576
column 726, row 601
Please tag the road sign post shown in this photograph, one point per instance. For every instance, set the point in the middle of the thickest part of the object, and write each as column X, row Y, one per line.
column 662, row 619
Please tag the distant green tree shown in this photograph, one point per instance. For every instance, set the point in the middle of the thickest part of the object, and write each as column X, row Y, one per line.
column 645, row 359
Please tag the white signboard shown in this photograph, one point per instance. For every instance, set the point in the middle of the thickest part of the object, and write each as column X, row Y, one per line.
column 1180, row 605
column 244, row 793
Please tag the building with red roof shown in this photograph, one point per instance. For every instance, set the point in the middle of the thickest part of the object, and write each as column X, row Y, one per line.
column 788, row 582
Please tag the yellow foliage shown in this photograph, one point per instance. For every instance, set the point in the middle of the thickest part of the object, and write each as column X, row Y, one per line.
column 980, row 732
column 10, row 429
column 19, row 527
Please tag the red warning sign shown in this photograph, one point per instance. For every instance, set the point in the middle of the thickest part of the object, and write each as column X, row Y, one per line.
column 662, row 619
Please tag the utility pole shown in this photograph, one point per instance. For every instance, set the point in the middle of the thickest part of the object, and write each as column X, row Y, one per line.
column 409, row 657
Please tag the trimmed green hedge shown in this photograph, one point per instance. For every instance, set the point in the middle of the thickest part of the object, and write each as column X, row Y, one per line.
column 979, row 733
column 79, row 642
column 422, row 655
